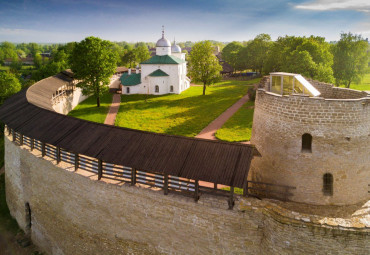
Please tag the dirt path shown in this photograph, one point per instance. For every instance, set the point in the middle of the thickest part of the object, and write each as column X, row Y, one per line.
column 209, row 131
column 113, row 110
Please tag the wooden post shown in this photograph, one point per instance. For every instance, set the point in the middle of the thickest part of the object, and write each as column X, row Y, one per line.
column 231, row 198
column 196, row 191
column 14, row 135
column 165, row 188
column 32, row 144
column 245, row 189
column 77, row 159
column 100, row 169
column 58, row 155
column 20, row 139
column 215, row 186
column 43, row 149
column 133, row 176
column 9, row 130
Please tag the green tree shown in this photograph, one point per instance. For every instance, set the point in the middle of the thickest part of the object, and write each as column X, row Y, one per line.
column 37, row 61
column 15, row 67
column 93, row 62
column 254, row 55
column 231, row 54
column 8, row 51
column 350, row 59
column 203, row 65
column 287, row 54
column 142, row 53
column 129, row 58
column 9, row 84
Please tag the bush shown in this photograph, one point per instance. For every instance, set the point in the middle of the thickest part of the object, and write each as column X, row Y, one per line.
column 252, row 94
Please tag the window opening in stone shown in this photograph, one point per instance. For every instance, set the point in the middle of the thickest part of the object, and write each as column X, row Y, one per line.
column 128, row 90
column 328, row 184
column 156, row 88
column 306, row 143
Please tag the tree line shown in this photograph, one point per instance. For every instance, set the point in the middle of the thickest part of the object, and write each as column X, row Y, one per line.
column 340, row 63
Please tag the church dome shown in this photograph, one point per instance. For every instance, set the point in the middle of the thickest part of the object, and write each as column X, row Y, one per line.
column 163, row 42
column 175, row 48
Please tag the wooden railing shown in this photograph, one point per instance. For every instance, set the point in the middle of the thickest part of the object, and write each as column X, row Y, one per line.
column 168, row 183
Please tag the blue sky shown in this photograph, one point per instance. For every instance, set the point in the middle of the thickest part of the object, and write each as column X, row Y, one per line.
column 193, row 20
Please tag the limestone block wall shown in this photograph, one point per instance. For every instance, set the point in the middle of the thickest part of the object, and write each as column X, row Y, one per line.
column 72, row 213
column 66, row 104
column 340, row 130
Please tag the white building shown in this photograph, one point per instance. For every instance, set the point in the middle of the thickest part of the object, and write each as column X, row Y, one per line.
column 161, row 74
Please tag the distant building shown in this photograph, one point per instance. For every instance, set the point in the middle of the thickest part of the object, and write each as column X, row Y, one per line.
column 163, row 73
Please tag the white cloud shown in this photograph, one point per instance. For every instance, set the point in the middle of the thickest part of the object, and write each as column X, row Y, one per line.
column 329, row 5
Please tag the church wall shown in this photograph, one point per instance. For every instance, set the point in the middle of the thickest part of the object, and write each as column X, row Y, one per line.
column 73, row 213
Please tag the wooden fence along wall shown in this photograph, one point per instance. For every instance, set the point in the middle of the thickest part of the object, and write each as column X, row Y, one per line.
column 133, row 176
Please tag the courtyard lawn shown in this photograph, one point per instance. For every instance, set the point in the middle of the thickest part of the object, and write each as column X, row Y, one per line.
column 185, row 114
column 239, row 127
column 87, row 109
column 364, row 84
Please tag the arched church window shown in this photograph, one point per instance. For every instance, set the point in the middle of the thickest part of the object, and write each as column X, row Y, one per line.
column 171, row 88
column 306, row 143
column 156, row 89
column 328, row 184
column 128, row 90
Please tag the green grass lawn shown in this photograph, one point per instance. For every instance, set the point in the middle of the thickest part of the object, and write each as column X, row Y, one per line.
column 185, row 114
column 364, row 84
column 87, row 109
column 239, row 127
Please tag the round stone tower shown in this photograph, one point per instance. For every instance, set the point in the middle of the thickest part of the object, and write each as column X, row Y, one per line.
column 319, row 145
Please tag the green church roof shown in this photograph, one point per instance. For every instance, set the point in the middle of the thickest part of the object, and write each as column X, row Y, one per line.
column 166, row 59
column 158, row 73
column 130, row 80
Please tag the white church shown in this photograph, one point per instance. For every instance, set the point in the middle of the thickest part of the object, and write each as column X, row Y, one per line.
column 161, row 74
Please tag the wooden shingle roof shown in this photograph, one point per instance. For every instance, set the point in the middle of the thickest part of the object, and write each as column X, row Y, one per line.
column 193, row 158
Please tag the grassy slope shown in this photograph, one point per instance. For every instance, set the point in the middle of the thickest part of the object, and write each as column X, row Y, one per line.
column 87, row 109
column 185, row 114
column 364, row 84
column 7, row 223
column 239, row 127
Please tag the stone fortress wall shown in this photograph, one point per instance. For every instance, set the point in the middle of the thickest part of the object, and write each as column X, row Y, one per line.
column 339, row 123
column 73, row 213
column 68, row 212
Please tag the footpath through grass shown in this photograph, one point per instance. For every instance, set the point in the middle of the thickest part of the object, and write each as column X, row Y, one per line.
column 87, row 109
column 185, row 114
column 239, row 127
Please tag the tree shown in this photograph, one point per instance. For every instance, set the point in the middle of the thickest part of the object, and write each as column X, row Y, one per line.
column 350, row 59
column 203, row 65
column 9, row 84
column 231, row 53
column 93, row 62
column 142, row 53
column 288, row 53
column 255, row 52
column 8, row 51
column 37, row 61
column 129, row 58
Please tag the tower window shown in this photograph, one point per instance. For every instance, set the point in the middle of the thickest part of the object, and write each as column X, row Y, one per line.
column 306, row 143
column 128, row 90
column 156, row 89
column 328, row 184
column 171, row 88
